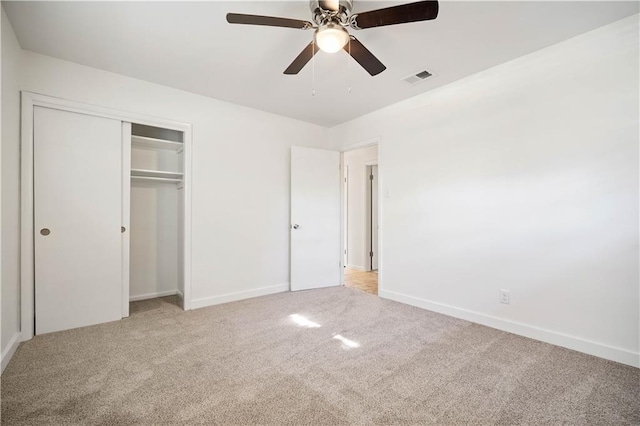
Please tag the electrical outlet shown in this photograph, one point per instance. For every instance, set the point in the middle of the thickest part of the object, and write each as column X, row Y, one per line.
column 504, row 297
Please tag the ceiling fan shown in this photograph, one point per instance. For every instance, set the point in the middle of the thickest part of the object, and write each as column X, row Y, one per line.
column 331, row 18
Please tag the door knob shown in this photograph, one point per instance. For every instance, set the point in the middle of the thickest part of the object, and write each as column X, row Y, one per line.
column 296, row 226
column 45, row 231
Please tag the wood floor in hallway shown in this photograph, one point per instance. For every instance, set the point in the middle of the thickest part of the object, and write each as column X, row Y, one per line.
column 360, row 280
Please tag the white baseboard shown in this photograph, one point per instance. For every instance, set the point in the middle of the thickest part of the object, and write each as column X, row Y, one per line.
column 571, row 342
column 241, row 295
column 153, row 295
column 180, row 294
column 11, row 349
column 357, row 268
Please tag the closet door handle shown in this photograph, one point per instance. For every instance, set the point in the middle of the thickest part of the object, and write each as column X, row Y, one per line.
column 45, row 231
column 122, row 229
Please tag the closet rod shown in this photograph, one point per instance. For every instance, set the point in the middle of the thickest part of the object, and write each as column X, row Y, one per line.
column 157, row 179
column 156, row 173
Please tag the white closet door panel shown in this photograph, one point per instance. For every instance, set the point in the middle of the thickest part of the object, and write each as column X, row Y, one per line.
column 78, row 197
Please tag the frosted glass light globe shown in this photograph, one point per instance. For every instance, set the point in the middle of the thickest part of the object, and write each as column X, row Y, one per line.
column 331, row 38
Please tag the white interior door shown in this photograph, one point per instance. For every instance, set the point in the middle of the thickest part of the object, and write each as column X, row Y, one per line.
column 78, row 212
column 315, row 218
column 374, row 218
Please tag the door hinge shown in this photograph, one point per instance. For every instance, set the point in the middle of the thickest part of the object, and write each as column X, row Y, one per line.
column 370, row 177
column 370, row 254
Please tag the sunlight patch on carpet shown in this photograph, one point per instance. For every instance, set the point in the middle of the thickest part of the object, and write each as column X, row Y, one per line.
column 346, row 343
column 303, row 321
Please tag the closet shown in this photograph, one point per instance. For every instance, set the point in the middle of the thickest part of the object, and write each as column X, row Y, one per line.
column 155, row 222
column 104, row 202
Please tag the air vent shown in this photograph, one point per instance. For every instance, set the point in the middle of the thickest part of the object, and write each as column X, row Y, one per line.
column 418, row 77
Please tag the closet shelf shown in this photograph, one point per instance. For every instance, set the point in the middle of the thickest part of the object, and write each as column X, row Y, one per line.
column 141, row 173
column 144, row 142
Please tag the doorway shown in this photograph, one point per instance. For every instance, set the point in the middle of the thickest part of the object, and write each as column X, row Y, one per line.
column 360, row 218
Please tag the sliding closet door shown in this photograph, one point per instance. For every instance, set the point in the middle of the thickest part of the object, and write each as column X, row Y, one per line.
column 78, row 202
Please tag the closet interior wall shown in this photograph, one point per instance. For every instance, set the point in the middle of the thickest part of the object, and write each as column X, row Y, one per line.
column 156, row 221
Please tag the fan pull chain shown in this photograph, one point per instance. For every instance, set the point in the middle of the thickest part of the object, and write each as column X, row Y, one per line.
column 349, row 68
column 313, row 69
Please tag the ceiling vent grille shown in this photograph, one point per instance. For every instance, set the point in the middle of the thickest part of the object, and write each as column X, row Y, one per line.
column 417, row 78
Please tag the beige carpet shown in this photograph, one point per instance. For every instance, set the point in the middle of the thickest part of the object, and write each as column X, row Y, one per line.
column 345, row 357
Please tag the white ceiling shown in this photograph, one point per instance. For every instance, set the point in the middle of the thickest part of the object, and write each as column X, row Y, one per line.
column 190, row 46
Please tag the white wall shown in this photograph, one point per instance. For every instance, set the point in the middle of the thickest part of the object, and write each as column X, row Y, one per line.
column 357, row 210
column 523, row 177
column 10, row 178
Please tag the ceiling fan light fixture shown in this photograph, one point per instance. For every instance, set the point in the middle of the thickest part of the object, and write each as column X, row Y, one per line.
column 331, row 18
column 331, row 38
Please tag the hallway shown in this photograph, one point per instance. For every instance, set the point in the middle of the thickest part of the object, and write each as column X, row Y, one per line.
column 360, row 280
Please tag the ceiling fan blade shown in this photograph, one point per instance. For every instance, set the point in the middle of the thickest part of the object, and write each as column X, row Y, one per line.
column 302, row 59
column 365, row 58
column 269, row 21
column 402, row 14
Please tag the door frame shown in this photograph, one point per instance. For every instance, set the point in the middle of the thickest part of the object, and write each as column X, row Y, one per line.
column 377, row 141
column 368, row 235
column 345, row 212
column 27, row 260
